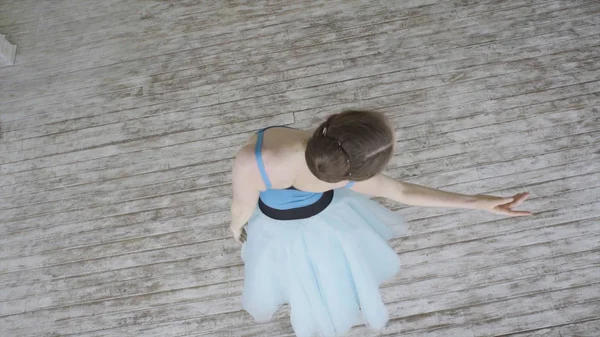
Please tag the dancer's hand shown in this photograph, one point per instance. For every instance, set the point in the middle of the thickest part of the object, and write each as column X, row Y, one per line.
column 503, row 206
column 239, row 234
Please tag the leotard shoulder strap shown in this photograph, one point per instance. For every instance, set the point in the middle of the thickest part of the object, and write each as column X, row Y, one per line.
column 259, row 159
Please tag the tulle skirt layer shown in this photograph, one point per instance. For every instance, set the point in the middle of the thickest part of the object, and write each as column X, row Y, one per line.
column 327, row 267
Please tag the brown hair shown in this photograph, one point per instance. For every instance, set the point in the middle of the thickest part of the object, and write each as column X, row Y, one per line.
column 353, row 145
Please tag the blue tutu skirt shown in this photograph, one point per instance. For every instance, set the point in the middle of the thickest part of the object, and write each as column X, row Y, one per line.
column 327, row 267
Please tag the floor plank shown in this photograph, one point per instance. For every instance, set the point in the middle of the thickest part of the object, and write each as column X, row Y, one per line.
column 119, row 122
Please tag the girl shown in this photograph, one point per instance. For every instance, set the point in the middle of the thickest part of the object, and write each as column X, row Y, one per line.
column 313, row 241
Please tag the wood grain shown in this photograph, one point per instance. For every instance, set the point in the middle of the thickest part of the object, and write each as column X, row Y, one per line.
column 120, row 119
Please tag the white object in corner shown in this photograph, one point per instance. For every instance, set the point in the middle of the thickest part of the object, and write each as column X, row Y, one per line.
column 8, row 51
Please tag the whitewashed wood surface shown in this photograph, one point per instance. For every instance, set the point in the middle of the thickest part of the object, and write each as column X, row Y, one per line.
column 119, row 120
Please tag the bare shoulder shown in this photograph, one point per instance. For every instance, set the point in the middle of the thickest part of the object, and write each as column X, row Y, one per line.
column 245, row 158
column 245, row 173
column 282, row 153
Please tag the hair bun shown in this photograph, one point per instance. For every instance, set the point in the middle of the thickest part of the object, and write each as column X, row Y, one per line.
column 357, row 141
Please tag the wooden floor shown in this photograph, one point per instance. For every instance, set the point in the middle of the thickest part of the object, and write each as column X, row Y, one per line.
column 120, row 119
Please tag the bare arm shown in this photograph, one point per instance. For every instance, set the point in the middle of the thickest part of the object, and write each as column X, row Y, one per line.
column 411, row 194
column 246, row 189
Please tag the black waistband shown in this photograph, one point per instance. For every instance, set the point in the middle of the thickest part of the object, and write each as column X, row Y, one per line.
column 297, row 213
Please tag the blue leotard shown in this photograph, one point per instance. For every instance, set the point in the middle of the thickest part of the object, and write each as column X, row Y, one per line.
column 282, row 198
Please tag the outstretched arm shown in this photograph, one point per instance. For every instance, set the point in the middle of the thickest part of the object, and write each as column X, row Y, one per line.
column 411, row 194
